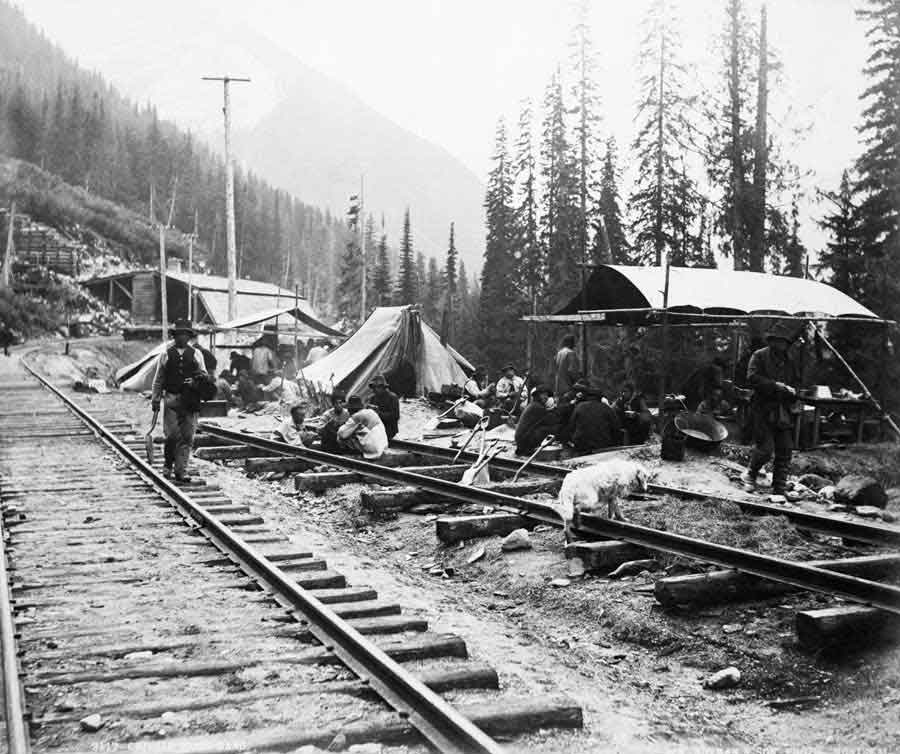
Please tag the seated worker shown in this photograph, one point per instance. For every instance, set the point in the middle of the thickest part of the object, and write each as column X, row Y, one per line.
column 237, row 362
column 315, row 353
column 223, row 388
column 593, row 425
column 264, row 363
column 292, row 431
column 478, row 390
column 282, row 389
column 363, row 431
column 633, row 415
column 332, row 420
column 537, row 421
column 248, row 391
column 714, row 403
column 386, row 403
column 509, row 389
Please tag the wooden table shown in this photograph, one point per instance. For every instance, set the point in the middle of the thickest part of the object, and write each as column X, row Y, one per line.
column 861, row 406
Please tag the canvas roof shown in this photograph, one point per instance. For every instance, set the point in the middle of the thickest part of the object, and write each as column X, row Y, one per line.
column 290, row 320
column 619, row 293
column 387, row 338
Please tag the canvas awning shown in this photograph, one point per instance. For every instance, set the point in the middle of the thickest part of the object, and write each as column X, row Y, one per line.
column 619, row 294
column 306, row 326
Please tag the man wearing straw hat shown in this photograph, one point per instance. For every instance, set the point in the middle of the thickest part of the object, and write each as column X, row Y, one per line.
column 774, row 379
column 176, row 368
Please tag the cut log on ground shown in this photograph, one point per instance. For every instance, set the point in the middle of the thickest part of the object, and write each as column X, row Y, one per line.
column 846, row 627
column 728, row 586
column 262, row 465
column 459, row 528
column 396, row 499
column 602, row 557
column 230, row 453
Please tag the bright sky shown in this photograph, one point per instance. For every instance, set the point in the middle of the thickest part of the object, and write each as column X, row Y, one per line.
column 446, row 69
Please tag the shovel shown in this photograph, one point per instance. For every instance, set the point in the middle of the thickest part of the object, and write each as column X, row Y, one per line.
column 434, row 422
column 544, row 443
column 478, row 427
column 470, row 475
column 148, row 438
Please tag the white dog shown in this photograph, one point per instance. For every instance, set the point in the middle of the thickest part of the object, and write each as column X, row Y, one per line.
column 602, row 485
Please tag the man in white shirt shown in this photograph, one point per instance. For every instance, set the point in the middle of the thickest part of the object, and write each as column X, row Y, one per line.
column 509, row 388
column 291, row 430
column 176, row 367
column 364, row 430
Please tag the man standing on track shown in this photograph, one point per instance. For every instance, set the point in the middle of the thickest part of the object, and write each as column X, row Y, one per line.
column 177, row 366
column 774, row 379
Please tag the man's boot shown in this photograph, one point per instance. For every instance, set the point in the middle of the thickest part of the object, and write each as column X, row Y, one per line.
column 780, row 475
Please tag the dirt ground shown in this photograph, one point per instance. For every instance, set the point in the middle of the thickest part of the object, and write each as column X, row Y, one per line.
column 636, row 668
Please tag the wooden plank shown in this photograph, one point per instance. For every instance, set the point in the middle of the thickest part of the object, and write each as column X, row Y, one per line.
column 451, row 530
column 395, row 499
column 229, row 453
column 262, row 465
column 325, row 480
column 321, row 580
column 845, row 627
column 342, row 595
column 726, row 586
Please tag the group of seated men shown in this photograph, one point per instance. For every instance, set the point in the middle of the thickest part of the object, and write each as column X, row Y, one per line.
column 583, row 418
column 349, row 426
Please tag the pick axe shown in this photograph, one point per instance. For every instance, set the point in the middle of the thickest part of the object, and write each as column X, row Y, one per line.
column 148, row 438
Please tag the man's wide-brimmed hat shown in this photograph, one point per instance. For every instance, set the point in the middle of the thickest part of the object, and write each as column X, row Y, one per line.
column 378, row 381
column 780, row 331
column 182, row 325
column 354, row 403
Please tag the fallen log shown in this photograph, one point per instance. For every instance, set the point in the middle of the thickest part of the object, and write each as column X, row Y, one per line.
column 456, row 529
column 727, row 586
column 847, row 627
column 396, row 499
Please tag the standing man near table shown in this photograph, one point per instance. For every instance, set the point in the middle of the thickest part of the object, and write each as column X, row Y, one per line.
column 176, row 367
column 774, row 378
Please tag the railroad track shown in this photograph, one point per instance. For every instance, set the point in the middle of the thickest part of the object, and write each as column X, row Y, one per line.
column 137, row 615
column 852, row 579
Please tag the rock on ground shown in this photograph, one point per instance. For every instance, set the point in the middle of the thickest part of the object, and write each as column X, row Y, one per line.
column 516, row 540
column 724, row 679
column 814, row 481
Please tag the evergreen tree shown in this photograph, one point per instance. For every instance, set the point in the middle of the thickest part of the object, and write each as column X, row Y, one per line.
column 450, row 265
column 500, row 303
column 528, row 252
column 665, row 133
column 381, row 279
column 421, row 277
column 586, row 111
column 878, row 185
column 405, row 290
column 610, row 243
column 559, row 212
column 843, row 256
column 348, row 286
column 434, row 292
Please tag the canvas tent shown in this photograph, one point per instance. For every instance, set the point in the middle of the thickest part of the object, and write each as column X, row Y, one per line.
column 620, row 294
column 138, row 376
column 291, row 320
column 394, row 342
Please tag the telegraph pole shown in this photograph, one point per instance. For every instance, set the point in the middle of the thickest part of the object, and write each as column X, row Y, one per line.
column 229, row 195
column 362, row 249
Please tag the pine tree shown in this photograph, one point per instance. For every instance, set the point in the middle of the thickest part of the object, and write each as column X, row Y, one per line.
column 586, row 112
column 349, row 282
column 450, row 265
column 843, row 256
column 665, row 133
column 381, row 278
column 500, row 304
column 433, row 293
column 610, row 243
column 756, row 203
column 558, row 217
column 405, row 290
column 528, row 251
column 878, row 185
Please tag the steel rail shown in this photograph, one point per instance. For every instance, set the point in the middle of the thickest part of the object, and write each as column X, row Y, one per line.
column 862, row 531
column 437, row 720
column 800, row 575
column 14, row 707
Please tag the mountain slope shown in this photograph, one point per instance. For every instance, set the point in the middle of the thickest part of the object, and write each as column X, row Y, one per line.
column 321, row 137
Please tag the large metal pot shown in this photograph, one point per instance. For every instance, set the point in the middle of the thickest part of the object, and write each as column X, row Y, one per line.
column 701, row 430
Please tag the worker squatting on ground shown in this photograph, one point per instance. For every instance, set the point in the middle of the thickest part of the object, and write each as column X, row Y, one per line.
column 176, row 368
column 509, row 390
column 292, row 429
column 774, row 378
column 363, row 431
column 537, row 421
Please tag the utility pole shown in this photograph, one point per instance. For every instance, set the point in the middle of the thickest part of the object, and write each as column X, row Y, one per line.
column 229, row 196
column 8, row 253
column 362, row 249
column 191, row 240
column 163, row 296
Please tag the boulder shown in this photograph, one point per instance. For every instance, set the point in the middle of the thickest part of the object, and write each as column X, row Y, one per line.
column 814, row 481
column 724, row 679
column 858, row 490
column 91, row 723
column 516, row 540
